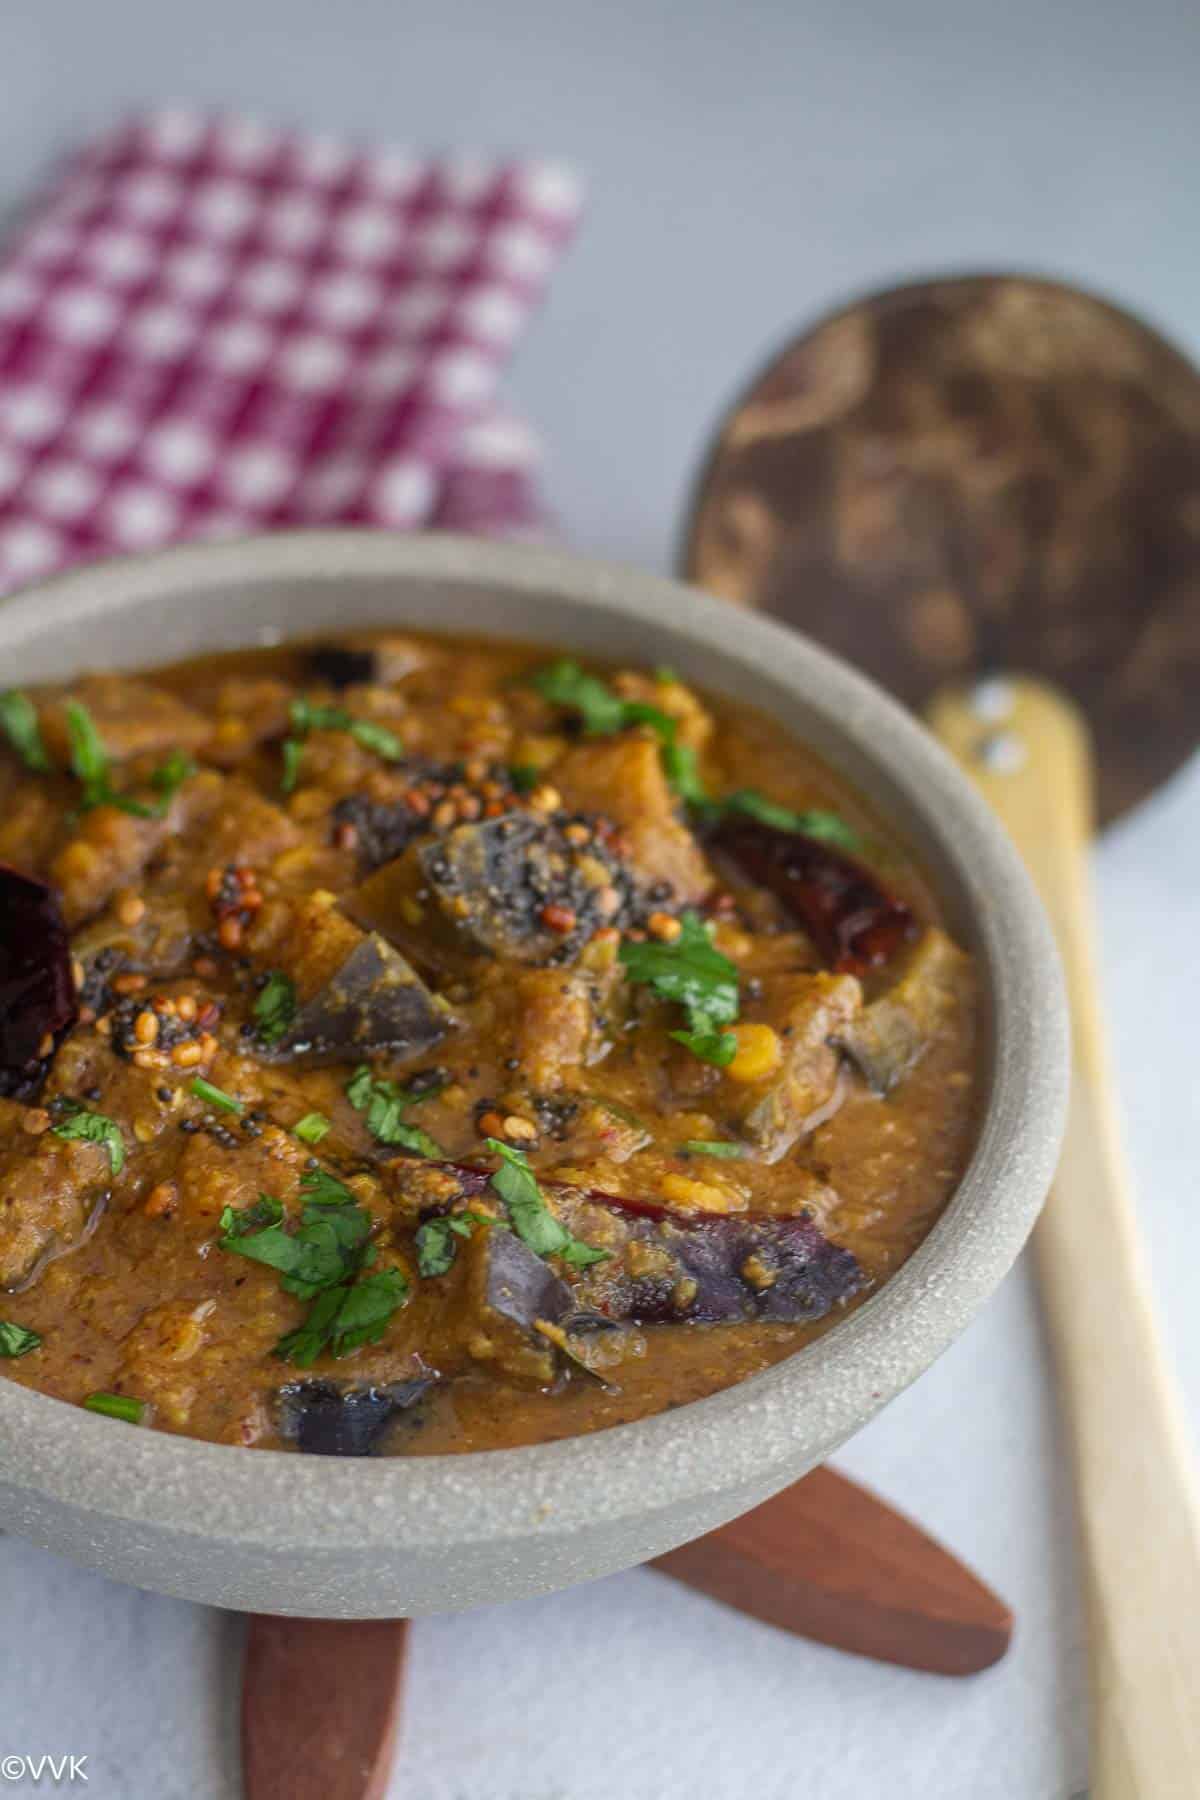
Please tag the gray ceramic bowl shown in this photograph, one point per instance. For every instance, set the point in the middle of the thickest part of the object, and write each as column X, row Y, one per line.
column 312, row 1535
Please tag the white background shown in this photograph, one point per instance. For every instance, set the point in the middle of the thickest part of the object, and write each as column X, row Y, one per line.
column 748, row 165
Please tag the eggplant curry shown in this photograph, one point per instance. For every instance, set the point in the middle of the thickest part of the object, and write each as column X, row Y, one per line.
column 415, row 1046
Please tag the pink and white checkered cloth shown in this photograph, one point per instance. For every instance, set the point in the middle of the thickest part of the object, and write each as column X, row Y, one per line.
column 209, row 327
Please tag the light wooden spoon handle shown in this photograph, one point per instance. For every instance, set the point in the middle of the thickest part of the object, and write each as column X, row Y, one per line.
column 1137, row 1495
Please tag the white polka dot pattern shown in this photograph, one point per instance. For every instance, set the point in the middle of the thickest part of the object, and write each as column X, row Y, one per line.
column 211, row 327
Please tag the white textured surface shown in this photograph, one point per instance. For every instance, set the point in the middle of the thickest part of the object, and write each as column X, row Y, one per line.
column 747, row 168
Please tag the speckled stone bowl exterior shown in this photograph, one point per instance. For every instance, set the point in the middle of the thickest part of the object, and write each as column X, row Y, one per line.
column 271, row 1532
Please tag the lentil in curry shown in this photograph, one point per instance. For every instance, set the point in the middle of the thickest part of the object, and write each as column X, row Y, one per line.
column 425, row 1046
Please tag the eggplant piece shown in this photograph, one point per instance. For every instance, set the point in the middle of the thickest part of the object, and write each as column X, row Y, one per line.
column 727, row 1269
column 518, row 887
column 663, row 1268
column 160, row 945
column 518, row 1287
column 854, row 923
column 807, row 1011
column 519, row 1315
column 324, row 1418
column 383, row 829
column 38, row 1002
column 365, row 657
column 508, row 1289
column 375, row 1001
column 342, row 665
column 132, row 718
column 52, row 1191
column 887, row 1040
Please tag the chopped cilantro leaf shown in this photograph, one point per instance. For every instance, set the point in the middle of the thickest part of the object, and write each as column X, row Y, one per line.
column 565, row 684
column 411, row 1137
column 304, row 1344
column 828, row 826
column 436, row 1246
column 581, row 1255
column 319, row 1185
column 324, row 1249
column 204, row 1090
column 170, row 776
column 345, row 1317
column 323, row 1261
column 89, row 763
column 714, row 1147
column 307, row 716
column 365, row 1310
column 275, row 1008
column 239, row 1222
column 293, row 749
column 360, row 1087
column 373, row 736
column 117, row 1406
column 710, row 1044
column 602, row 712
column 683, row 773
column 17, row 1340
column 640, row 712
column 311, row 1128
column 19, row 723
column 89, row 758
column 532, row 1220
column 94, row 1128
column 305, row 1264
column 384, row 1105
column 90, row 766
column 523, row 777
column 697, row 977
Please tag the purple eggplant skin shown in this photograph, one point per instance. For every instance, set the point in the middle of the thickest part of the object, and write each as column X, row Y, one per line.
column 37, row 989
column 711, row 1269
column 342, row 665
column 495, row 882
column 854, row 923
column 509, row 1294
column 726, row 1269
column 383, row 829
column 375, row 1001
column 323, row 1418
column 519, row 1287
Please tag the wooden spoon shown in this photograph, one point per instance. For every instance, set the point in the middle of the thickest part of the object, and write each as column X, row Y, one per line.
column 948, row 481
column 321, row 1707
column 826, row 1559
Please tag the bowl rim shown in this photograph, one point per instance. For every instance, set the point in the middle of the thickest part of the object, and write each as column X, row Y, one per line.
column 732, row 1440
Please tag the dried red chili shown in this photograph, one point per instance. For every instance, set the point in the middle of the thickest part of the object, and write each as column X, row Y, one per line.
column 854, row 923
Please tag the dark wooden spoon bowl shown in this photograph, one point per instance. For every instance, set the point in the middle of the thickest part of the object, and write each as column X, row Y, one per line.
column 977, row 472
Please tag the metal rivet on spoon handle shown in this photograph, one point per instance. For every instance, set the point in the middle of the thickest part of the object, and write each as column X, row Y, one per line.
column 957, row 478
